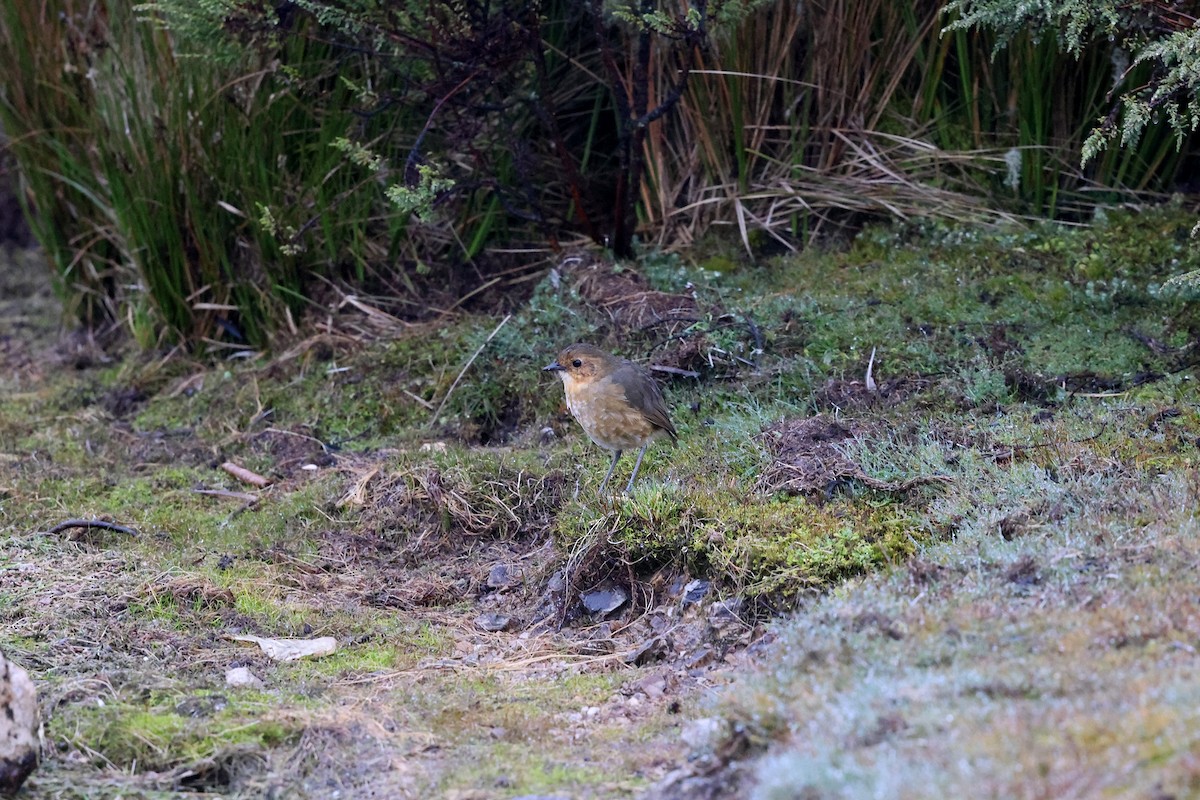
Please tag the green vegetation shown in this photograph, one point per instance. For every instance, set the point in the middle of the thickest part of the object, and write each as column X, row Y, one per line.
column 156, row 737
column 148, row 174
column 761, row 548
column 313, row 241
column 207, row 174
column 1164, row 41
column 1026, row 452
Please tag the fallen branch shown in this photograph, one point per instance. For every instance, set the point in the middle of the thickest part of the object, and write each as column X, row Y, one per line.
column 245, row 497
column 246, row 476
column 687, row 373
column 91, row 523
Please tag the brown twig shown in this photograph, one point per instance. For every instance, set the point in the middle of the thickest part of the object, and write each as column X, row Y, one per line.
column 686, row 373
column 245, row 476
column 245, row 497
column 91, row 523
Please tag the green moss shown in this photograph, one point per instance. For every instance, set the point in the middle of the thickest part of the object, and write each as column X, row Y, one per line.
column 929, row 303
column 389, row 645
column 523, row 771
column 759, row 546
column 161, row 737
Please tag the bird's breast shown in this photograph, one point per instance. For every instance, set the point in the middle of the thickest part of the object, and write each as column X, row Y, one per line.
column 606, row 416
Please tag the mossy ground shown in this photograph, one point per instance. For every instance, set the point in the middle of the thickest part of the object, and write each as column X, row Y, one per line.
column 1042, row 380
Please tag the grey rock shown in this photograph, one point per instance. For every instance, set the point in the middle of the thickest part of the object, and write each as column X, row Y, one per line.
column 239, row 677
column 693, row 783
column 605, row 600
column 703, row 656
column 494, row 622
column 694, row 592
column 647, row 651
column 501, row 576
column 704, row 734
column 20, row 726
column 726, row 614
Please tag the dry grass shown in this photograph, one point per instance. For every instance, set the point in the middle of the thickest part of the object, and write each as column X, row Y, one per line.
column 809, row 459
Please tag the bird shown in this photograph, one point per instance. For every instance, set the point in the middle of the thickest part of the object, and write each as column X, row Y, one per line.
column 617, row 402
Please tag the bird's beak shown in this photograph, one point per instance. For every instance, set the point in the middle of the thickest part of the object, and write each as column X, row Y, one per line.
column 553, row 366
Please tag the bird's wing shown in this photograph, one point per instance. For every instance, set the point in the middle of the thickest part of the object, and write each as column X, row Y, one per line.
column 642, row 392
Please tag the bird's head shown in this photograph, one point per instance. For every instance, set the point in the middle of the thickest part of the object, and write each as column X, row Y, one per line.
column 582, row 363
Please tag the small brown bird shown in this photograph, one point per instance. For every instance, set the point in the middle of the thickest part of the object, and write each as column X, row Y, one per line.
column 617, row 402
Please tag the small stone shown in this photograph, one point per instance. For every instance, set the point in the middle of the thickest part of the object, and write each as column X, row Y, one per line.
column 660, row 622
column 604, row 601
column 653, row 686
column 647, row 651
column 725, row 613
column 557, row 582
column 701, row 658
column 494, row 622
column 497, row 576
column 689, row 637
column 500, row 576
column 19, row 726
column 200, row 706
column 694, row 592
column 240, row 677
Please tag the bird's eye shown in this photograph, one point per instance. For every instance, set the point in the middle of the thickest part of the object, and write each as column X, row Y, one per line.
column 577, row 363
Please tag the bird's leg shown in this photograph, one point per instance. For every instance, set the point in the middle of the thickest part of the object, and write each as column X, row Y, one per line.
column 641, row 453
column 611, row 467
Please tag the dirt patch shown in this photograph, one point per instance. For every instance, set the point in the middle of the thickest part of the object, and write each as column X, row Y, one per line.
column 681, row 334
column 997, row 342
column 289, row 450
column 853, row 395
column 122, row 401
column 809, row 459
column 427, row 503
column 445, row 546
column 629, row 301
column 143, row 448
column 1046, row 391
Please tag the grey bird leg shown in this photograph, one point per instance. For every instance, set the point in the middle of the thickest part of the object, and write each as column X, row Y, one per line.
column 611, row 467
column 641, row 453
